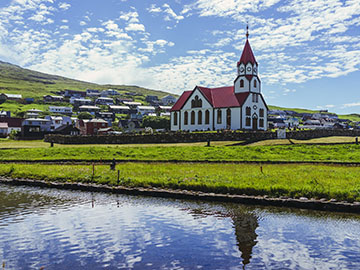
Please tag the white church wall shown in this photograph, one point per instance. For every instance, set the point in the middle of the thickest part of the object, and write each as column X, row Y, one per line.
column 192, row 126
column 255, row 109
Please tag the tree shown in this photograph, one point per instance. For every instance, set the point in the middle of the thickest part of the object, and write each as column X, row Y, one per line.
column 85, row 115
column 156, row 122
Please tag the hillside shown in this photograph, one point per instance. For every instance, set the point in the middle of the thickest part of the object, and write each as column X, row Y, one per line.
column 17, row 80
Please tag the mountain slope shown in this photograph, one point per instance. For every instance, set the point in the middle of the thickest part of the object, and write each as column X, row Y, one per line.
column 29, row 83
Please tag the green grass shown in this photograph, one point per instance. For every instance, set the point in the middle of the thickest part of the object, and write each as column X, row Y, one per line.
column 312, row 181
column 183, row 152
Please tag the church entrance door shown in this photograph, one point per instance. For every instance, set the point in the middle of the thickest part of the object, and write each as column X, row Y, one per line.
column 255, row 123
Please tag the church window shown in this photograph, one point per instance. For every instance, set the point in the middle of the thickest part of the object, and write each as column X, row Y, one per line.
column 186, row 118
column 175, row 118
column 254, row 83
column 199, row 117
column 196, row 102
column 193, row 118
column 256, row 98
column 241, row 83
column 248, row 121
column 228, row 118
column 207, row 117
column 219, row 116
column 248, row 111
column 261, row 122
column 261, row 112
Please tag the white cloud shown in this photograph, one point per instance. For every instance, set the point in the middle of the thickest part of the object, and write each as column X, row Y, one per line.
column 168, row 12
column 64, row 6
column 135, row 27
column 354, row 104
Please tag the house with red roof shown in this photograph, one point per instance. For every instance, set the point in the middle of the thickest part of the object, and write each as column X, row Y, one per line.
column 240, row 106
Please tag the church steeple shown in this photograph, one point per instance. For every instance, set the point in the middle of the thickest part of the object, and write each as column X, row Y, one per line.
column 247, row 79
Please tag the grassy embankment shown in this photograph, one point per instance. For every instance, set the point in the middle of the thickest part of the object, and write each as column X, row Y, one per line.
column 312, row 181
column 320, row 181
column 183, row 152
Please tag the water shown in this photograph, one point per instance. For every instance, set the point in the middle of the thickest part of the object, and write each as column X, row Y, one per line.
column 81, row 230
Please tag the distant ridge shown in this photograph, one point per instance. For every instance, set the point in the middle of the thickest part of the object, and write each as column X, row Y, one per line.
column 17, row 80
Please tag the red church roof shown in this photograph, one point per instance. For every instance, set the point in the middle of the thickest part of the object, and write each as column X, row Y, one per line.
column 222, row 97
column 247, row 55
column 181, row 101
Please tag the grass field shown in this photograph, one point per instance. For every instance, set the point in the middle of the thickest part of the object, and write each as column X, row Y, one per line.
column 185, row 152
column 312, row 181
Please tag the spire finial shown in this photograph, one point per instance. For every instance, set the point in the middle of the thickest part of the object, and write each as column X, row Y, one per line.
column 247, row 30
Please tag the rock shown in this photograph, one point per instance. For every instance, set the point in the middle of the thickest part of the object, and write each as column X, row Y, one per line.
column 303, row 199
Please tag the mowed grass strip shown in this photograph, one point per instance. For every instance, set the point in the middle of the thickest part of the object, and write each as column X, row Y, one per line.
column 299, row 153
column 312, row 181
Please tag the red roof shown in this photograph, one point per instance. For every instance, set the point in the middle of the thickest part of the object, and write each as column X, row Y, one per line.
column 181, row 101
column 247, row 55
column 222, row 97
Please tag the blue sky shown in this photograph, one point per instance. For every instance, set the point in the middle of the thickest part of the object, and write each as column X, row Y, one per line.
column 308, row 51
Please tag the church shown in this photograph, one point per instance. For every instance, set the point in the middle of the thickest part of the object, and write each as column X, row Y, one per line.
column 240, row 106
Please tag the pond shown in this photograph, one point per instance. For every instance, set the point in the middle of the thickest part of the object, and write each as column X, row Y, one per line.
column 61, row 229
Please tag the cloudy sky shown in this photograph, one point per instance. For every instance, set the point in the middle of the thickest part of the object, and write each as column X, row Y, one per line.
column 308, row 51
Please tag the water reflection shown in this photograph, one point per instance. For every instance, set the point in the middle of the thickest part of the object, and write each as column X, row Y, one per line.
column 80, row 230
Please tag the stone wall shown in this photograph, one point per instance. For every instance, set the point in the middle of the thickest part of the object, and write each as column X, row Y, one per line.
column 184, row 137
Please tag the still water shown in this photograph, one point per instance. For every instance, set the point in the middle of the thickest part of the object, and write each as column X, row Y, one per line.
column 58, row 229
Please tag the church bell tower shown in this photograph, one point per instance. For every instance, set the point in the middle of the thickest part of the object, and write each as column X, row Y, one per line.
column 247, row 79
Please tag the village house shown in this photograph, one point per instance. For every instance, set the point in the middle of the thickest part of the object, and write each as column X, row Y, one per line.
column 74, row 94
column 33, row 113
column 35, row 127
column 90, row 127
column 90, row 109
column 119, row 109
column 145, row 110
column 50, row 98
column 104, row 101
column 5, row 96
column 13, row 123
column 81, row 101
column 107, row 116
column 61, row 110
column 92, row 93
column 67, row 130
column 109, row 92
column 4, row 129
column 168, row 100
column 240, row 106
column 58, row 121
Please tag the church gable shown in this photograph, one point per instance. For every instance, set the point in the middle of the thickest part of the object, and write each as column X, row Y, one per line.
column 196, row 100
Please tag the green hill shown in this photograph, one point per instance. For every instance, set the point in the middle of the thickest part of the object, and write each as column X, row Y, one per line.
column 29, row 83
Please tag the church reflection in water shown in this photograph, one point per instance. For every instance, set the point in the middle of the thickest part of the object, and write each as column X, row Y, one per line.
column 245, row 223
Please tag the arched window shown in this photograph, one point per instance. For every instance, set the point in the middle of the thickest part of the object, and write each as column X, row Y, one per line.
column 196, row 102
column 199, row 117
column 193, row 117
column 261, row 112
column 228, row 118
column 219, row 116
column 248, row 121
column 254, row 83
column 175, row 118
column 186, row 118
column 248, row 111
column 207, row 117
column 241, row 83
column 261, row 122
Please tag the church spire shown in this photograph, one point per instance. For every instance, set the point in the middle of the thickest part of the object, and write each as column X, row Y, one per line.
column 247, row 54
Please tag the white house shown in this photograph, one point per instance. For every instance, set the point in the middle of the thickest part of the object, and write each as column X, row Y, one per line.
column 145, row 110
column 58, row 121
column 240, row 106
column 60, row 110
column 104, row 101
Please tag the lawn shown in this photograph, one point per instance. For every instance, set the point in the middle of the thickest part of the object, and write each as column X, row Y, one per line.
column 192, row 152
column 312, row 181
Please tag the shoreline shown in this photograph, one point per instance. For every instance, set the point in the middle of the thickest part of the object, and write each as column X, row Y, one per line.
column 302, row 203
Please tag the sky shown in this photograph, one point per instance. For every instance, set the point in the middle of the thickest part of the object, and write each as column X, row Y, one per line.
column 308, row 51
